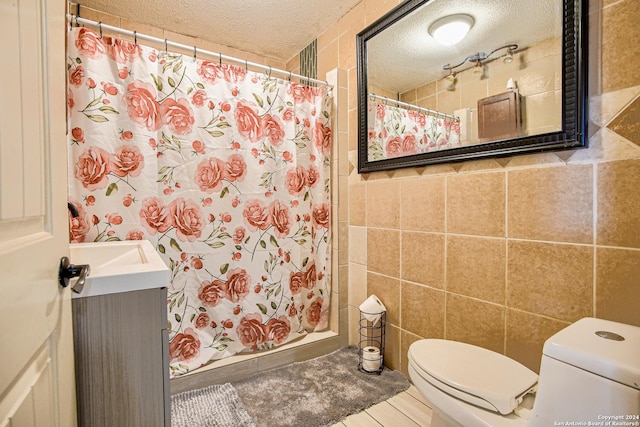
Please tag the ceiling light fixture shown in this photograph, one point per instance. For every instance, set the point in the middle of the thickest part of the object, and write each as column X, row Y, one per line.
column 451, row 29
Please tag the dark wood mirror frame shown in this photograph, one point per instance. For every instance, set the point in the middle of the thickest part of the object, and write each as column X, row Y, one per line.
column 574, row 98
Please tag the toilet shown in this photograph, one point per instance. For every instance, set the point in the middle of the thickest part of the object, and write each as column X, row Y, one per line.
column 589, row 375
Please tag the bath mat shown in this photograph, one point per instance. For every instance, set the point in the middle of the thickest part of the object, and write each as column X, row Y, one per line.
column 213, row 406
column 317, row 392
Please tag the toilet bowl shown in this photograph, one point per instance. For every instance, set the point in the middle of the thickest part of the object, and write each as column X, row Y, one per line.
column 590, row 373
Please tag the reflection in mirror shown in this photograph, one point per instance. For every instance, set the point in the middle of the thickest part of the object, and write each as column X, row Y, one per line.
column 504, row 87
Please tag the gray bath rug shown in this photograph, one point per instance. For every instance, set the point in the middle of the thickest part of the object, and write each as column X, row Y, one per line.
column 213, row 406
column 317, row 392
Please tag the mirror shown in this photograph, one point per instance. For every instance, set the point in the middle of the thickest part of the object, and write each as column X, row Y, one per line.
column 516, row 83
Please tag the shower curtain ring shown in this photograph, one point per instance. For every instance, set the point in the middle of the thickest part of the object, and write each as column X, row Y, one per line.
column 100, row 27
column 194, row 53
column 166, row 49
column 135, row 37
column 289, row 75
column 269, row 75
column 246, row 65
column 220, row 54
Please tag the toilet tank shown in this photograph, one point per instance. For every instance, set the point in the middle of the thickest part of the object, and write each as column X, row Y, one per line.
column 589, row 375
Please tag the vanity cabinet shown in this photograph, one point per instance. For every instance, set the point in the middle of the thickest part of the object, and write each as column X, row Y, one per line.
column 122, row 359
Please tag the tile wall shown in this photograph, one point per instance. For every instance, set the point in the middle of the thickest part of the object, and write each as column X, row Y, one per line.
column 501, row 253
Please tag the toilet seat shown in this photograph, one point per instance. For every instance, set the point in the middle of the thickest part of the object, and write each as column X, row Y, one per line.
column 473, row 374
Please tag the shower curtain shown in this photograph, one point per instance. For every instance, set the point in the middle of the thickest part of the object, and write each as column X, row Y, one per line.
column 396, row 131
column 226, row 171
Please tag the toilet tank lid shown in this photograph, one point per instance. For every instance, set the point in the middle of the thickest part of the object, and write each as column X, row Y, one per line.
column 474, row 370
column 594, row 345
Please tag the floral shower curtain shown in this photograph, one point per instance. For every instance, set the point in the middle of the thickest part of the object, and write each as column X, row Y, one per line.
column 396, row 131
column 224, row 170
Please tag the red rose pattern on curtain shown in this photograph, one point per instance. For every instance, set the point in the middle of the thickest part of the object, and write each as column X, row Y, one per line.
column 225, row 170
column 395, row 131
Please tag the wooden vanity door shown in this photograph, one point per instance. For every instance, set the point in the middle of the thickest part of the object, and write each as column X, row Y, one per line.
column 36, row 343
column 499, row 117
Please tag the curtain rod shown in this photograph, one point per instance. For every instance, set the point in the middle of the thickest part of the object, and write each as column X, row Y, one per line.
column 196, row 50
column 406, row 104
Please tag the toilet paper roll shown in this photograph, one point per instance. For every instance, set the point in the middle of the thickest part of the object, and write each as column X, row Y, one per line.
column 372, row 309
column 371, row 359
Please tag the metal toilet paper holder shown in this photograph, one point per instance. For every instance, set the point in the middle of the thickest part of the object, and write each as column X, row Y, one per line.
column 371, row 343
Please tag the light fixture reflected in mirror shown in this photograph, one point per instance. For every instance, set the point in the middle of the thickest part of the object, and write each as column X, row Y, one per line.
column 451, row 81
column 477, row 69
column 479, row 58
column 451, row 29
column 508, row 57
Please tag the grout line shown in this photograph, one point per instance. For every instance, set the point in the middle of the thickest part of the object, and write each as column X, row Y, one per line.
column 446, row 233
column 506, row 259
column 594, row 259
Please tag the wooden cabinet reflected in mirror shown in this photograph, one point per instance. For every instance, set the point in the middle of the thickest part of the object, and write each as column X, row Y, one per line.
column 515, row 84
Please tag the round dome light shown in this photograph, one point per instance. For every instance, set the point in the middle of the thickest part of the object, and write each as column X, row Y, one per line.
column 451, row 29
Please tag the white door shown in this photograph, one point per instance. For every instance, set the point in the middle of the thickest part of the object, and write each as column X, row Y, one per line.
column 36, row 344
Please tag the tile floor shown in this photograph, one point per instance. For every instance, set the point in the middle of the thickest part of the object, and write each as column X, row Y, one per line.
column 407, row 409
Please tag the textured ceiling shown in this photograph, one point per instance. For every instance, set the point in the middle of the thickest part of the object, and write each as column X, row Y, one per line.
column 405, row 56
column 277, row 29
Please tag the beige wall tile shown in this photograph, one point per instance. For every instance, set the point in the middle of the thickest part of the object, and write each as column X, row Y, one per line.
column 423, row 258
column 358, row 204
column 526, row 334
column 357, row 245
column 406, row 339
column 475, row 322
column 387, row 289
column 422, row 310
column 540, row 76
column 620, row 52
column 327, row 57
column 617, row 285
column 626, row 124
column 426, row 90
column 554, row 204
column 554, row 280
column 354, row 318
column 392, row 355
column 422, row 204
column 619, row 204
column 383, row 250
column 342, row 285
column 476, row 204
column 476, row 267
column 383, row 204
column 357, row 284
